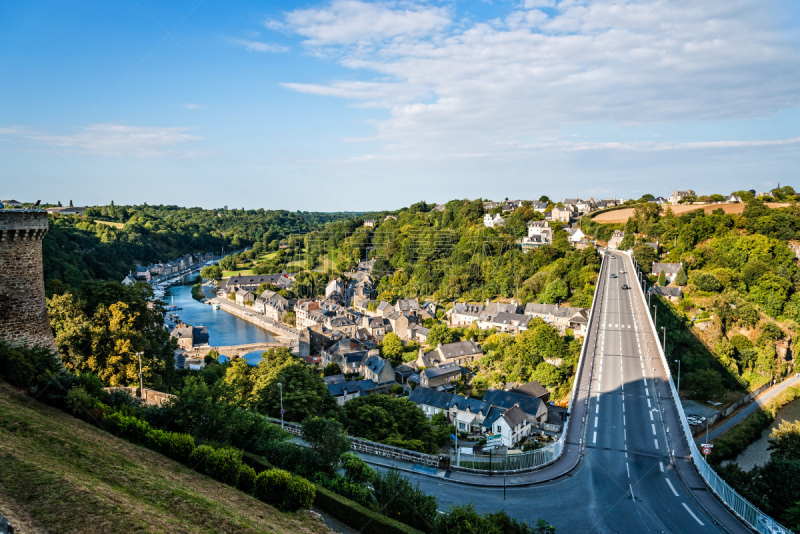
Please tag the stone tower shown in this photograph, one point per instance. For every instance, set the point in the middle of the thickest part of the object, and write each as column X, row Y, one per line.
column 23, row 310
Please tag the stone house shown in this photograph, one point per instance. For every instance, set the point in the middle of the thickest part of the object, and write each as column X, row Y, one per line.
column 244, row 297
column 334, row 286
column 378, row 369
column 434, row 377
column 670, row 270
column 190, row 337
column 672, row 293
column 370, row 223
column 271, row 304
column 561, row 214
column 460, row 352
column 562, row 317
column 616, row 239
column 464, row 313
column 677, row 196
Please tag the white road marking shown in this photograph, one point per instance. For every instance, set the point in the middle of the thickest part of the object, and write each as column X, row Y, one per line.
column 692, row 514
column 623, row 420
column 628, row 468
column 671, row 487
column 648, row 403
column 594, row 438
column 623, row 408
column 597, row 409
column 651, row 416
column 646, row 391
column 595, row 422
column 624, row 434
column 634, row 500
column 656, row 442
column 654, row 428
column 661, row 465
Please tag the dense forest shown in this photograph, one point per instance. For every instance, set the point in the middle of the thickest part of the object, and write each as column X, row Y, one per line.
column 107, row 242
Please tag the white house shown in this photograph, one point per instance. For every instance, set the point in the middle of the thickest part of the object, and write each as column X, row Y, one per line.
column 677, row 196
column 512, row 425
column 670, row 270
column 492, row 222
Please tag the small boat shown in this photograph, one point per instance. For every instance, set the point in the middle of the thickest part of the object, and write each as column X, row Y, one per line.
column 216, row 306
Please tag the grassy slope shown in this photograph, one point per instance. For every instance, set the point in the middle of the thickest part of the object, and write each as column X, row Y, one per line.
column 59, row 474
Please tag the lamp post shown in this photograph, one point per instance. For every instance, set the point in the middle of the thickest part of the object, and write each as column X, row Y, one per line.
column 679, row 380
column 141, row 381
column 655, row 313
column 280, row 387
column 664, row 344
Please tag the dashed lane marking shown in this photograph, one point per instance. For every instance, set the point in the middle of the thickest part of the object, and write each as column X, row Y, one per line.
column 594, row 438
column 692, row 514
column 671, row 487
column 655, row 440
column 654, row 428
column 661, row 465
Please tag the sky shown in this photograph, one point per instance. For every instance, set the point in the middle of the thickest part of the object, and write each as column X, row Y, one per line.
column 347, row 105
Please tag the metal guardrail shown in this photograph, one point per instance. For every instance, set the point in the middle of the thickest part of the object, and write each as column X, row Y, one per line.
column 743, row 508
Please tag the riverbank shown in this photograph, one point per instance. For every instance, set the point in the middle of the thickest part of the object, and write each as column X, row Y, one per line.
column 729, row 445
column 756, row 454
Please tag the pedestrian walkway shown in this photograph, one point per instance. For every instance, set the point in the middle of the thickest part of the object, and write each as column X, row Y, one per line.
column 757, row 403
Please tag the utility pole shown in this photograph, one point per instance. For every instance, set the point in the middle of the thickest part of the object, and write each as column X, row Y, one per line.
column 280, row 387
column 655, row 314
column 141, row 381
column 664, row 345
column 679, row 387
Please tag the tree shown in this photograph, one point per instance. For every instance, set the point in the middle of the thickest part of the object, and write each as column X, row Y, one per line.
column 555, row 291
column 681, row 279
column 70, row 204
column 784, row 441
column 395, row 496
column 212, row 272
column 392, row 347
column 662, row 278
column 332, row 369
column 548, row 375
column 327, row 437
column 356, row 469
column 442, row 334
column 706, row 383
column 644, row 255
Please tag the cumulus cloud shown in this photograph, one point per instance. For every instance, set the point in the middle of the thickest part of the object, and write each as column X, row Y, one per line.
column 531, row 76
column 345, row 22
column 109, row 139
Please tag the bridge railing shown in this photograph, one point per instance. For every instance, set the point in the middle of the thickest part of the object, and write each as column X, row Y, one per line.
column 743, row 508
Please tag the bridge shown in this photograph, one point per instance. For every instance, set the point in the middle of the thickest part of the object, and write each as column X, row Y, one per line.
column 234, row 351
column 629, row 464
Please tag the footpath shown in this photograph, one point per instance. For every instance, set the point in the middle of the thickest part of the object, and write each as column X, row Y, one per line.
column 757, row 403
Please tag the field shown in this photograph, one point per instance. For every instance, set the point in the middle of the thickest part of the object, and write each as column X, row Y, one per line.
column 622, row 216
column 117, row 225
column 60, row 474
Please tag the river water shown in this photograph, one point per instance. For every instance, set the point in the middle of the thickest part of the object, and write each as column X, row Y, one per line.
column 756, row 453
column 223, row 328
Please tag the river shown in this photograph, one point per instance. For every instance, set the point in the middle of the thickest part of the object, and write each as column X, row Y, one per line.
column 756, row 453
column 223, row 328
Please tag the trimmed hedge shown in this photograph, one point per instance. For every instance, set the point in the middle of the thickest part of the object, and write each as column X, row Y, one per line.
column 271, row 486
column 356, row 516
column 247, row 479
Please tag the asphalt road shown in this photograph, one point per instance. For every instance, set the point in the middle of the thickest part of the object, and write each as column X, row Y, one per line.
column 625, row 481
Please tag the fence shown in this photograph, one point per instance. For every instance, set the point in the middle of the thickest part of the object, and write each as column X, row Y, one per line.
column 510, row 463
column 700, row 429
column 754, row 517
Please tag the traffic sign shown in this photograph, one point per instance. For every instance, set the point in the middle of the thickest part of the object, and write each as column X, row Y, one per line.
column 706, row 450
column 283, row 412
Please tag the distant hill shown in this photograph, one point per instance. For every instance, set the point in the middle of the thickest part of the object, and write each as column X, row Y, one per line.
column 60, row 474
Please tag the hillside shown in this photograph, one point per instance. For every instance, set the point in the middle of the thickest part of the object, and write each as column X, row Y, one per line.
column 622, row 215
column 60, row 474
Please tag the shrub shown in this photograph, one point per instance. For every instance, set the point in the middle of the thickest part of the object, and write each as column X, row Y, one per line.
column 79, row 402
column 356, row 516
column 198, row 457
column 127, row 427
column 247, row 479
column 299, row 494
column 22, row 366
column 223, row 465
column 356, row 469
column 271, row 486
column 52, row 389
column 181, row 447
column 159, row 441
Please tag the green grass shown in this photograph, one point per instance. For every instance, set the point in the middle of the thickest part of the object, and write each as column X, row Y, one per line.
column 60, row 474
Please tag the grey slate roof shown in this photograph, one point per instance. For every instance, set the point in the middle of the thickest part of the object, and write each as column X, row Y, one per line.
column 375, row 363
column 514, row 416
column 507, row 399
column 431, row 397
column 531, row 389
column 447, row 369
column 333, row 379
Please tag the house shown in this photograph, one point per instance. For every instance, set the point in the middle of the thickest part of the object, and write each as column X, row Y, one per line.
column 408, row 306
column 512, row 425
column 677, row 196
column 460, row 352
column 464, row 313
column 189, row 336
column 251, row 283
column 512, row 323
column 511, row 205
column 271, row 304
column 539, row 234
column 334, row 286
column 532, row 389
column 731, row 199
column 375, row 326
column 534, row 408
column 244, row 297
column 562, row 317
column 69, row 210
column 439, row 207
column 143, row 273
column 430, row 400
column 419, row 333
column 345, row 391
column 429, row 307
column 129, row 280
column 670, row 270
column 561, row 214
column 616, row 239
column 574, row 235
column 434, row 377
column 673, row 293
column 11, row 203
column 370, row 223
column 378, row 369
column 489, row 205
column 340, row 323
column 660, row 200
column 392, row 217
column 492, row 222
column 540, row 207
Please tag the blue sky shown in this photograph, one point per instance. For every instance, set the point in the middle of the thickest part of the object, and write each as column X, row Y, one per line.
column 350, row 105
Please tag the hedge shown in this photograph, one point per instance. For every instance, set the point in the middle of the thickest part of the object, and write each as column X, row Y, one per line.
column 356, row 516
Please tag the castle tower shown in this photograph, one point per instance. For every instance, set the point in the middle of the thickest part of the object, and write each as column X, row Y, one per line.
column 23, row 310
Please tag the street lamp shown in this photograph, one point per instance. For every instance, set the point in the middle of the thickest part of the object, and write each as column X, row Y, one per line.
column 679, row 381
column 664, row 344
column 655, row 314
column 280, row 387
column 141, row 381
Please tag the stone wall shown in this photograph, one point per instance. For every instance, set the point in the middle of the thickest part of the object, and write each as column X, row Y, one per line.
column 23, row 310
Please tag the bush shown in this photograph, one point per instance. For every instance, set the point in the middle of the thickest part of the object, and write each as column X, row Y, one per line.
column 356, row 469
column 223, row 465
column 181, row 447
column 356, row 516
column 271, row 486
column 246, row 481
column 395, row 496
column 79, row 401
column 198, row 457
column 127, row 427
column 22, row 366
column 299, row 494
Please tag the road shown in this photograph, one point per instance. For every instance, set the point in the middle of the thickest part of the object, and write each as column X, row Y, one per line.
column 759, row 401
column 625, row 481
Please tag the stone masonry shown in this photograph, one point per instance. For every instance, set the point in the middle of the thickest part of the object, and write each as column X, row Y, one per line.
column 23, row 310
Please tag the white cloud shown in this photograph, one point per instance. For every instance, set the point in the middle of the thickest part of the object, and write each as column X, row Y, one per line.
column 259, row 46
column 110, row 139
column 525, row 78
column 352, row 21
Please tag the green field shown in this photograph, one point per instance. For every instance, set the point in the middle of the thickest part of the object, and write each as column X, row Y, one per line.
column 60, row 474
